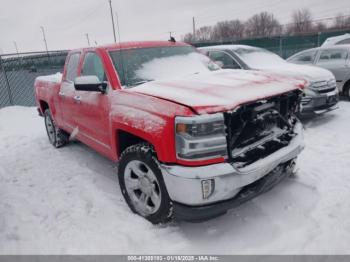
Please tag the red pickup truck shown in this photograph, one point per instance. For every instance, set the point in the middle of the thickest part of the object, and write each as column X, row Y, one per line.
column 192, row 140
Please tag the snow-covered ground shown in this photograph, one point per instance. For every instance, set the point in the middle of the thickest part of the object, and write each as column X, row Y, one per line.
column 68, row 200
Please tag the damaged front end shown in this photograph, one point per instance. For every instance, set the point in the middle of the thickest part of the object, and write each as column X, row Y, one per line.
column 259, row 129
column 263, row 140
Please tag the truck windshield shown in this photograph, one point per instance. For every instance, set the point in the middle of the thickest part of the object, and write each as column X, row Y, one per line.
column 140, row 65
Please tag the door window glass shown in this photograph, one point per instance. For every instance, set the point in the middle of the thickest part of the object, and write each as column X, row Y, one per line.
column 93, row 66
column 332, row 55
column 225, row 59
column 72, row 66
column 306, row 57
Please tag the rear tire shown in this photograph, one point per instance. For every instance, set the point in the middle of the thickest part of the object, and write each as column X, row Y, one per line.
column 57, row 136
column 142, row 184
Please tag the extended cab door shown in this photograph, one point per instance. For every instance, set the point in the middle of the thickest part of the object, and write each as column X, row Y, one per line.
column 67, row 92
column 92, row 108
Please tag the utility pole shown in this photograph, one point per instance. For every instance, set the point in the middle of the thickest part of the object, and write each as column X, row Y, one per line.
column 194, row 28
column 118, row 28
column 16, row 47
column 87, row 38
column 110, row 6
column 44, row 36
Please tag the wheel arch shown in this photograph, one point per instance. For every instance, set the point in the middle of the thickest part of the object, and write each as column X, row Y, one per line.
column 346, row 86
column 43, row 106
column 125, row 139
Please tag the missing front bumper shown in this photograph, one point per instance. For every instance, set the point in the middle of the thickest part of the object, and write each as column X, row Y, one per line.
column 206, row 212
column 184, row 183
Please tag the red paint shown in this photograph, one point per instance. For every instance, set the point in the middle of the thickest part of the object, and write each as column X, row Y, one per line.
column 100, row 117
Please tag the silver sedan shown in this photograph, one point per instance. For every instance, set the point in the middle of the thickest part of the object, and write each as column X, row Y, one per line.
column 334, row 58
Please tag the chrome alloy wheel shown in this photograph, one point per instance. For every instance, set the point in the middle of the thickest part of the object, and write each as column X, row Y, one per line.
column 50, row 128
column 142, row 187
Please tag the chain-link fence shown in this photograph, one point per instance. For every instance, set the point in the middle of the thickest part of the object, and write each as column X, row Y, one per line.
column 285, row 46
column 18, row 73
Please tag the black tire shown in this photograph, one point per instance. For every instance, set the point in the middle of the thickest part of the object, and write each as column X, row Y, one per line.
column 346, row 91
column 145, row 155
column 57, row 136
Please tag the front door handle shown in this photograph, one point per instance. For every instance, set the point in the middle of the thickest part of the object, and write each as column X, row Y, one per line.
column 61, row 93
column 77, row 99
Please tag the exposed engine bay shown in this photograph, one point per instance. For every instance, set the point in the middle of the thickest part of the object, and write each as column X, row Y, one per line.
column 259, row 129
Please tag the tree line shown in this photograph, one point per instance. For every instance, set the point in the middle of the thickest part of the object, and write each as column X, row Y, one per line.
column 265, row 24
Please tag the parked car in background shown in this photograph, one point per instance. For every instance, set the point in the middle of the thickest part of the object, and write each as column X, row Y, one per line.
column 192, row 140
column 337, row 40
column 320, row 96
column 334, row 58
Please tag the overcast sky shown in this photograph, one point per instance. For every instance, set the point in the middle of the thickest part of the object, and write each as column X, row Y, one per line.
column 67, row 21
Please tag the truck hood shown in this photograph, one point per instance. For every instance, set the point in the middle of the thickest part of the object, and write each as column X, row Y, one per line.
column 220, row 90
column 309, row 72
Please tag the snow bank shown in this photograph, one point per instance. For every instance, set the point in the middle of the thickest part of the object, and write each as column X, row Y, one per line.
column 67, row 201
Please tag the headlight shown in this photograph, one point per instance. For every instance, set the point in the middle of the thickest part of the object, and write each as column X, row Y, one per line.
column 200, row 137
column 308, row 92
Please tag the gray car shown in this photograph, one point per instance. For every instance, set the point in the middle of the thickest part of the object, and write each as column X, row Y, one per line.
column 334, row 58
column 319, row 97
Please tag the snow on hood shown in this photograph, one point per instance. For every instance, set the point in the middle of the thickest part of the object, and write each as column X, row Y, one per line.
column 55, row 78
column 310, row 73
column 265, row 60
column 220, row 90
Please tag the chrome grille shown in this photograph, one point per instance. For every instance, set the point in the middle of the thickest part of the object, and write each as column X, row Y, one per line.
column 324, row 86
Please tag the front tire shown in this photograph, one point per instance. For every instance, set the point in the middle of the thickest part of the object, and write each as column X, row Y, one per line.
column 142, row 184
column 57, row 136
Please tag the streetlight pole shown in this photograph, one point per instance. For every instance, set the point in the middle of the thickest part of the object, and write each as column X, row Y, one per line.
column 110, row 6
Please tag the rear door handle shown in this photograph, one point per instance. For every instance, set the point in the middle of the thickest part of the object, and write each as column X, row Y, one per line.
column 61, row 93
column 77, row 99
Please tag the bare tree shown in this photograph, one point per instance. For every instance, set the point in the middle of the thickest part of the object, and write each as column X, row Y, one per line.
column 341, row 21
column 301, row 22
column 320, row 27
column 228, row 30
column 263, row 24
column 204, row 33
column 188, row 38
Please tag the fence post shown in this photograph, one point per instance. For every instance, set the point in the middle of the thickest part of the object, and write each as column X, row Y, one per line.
column 281, row 47
column 7, row 81
column 318, row 38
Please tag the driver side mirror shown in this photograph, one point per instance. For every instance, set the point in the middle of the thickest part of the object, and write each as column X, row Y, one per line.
column 90, row 83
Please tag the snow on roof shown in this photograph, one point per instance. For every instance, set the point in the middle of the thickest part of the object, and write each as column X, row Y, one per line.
column 335, row 39
column 232, row 47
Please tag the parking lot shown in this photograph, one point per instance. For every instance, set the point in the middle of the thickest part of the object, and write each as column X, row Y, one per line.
column 58, row 201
